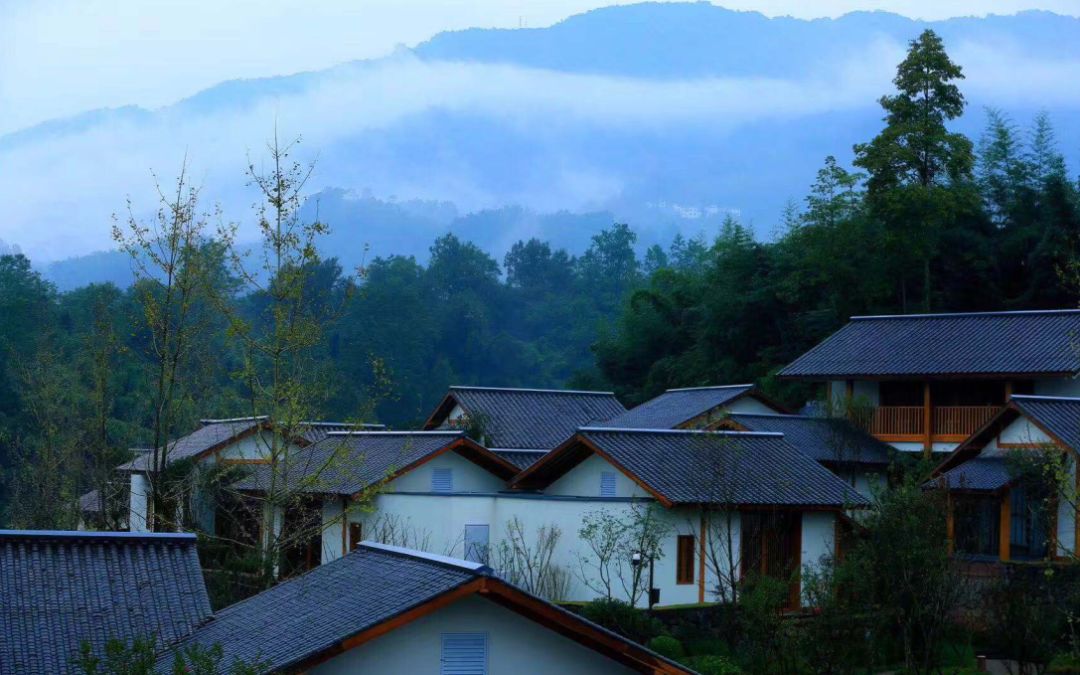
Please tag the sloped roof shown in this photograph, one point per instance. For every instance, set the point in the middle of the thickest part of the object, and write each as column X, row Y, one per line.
column 703, row 467
column 982, row 474
column 825, row 439
column 527, row 419
column 304, row 620
column 988, row 343
column 677, row 406
column 347, row 463
column 58, row 589
column 1057, row 414
column 522, row 459
column 215, row 434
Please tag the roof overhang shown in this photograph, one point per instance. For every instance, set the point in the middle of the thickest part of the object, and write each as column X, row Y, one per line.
column 922, row 377
column 564, row 622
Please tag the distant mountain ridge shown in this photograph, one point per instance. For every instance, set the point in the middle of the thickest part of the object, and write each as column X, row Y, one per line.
column 648, row 113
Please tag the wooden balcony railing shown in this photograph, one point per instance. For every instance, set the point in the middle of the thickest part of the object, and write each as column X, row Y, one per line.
column 896, row 420
column 961, row 420
column 947, row 422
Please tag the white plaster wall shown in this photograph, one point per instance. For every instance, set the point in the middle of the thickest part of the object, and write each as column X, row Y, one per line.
column 515, row 645
column 255, row 446
column 1022, row 431
column 467, row 477
column 1063, row 387
column 332, row 544
column 584, row 481
column 818, row 540
column 862, row 481
column 137, row 502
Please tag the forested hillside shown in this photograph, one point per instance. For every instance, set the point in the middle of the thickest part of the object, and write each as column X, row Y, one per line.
column 926, row 219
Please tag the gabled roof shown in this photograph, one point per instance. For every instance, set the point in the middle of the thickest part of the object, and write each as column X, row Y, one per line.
column 522, row 459
column 1057, row 416
column 702, row 467
column 982, row 474
column 347, row 463
column 828, row 440
column 58, row 589
column 1037, row 343
column 215, row 434
column 676, row 407
column 309, row 619
column 526, row 419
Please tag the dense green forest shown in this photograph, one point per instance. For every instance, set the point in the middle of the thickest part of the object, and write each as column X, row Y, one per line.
column 922, row 220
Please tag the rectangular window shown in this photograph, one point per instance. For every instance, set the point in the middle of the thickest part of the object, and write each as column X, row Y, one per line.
column 464, row 654
column 684, row 559
column 607, row 484
column 356, row 535
column 976, row 524
column 442, row 480
column 476, row 543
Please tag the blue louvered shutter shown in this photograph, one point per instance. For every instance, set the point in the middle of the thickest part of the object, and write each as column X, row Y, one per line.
column 442, row 480
column 607, row 484
column 464, row 654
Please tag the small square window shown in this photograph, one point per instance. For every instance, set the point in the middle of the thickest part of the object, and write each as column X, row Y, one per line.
column 442, row 480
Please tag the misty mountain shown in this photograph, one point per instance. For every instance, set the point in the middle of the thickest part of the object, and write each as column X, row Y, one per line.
column 666, row 116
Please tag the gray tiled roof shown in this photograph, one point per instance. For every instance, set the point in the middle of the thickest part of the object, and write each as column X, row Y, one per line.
column 91, row 502
column 825, row 439
column 703, row 467
column 213, row 433
column 350, row 462
column 58, row 589
column 307, row 615
column 531, row 418
column 676, row 406
column 982, row 474
column 1059, row 415
column 522, row 459
column 992, row 343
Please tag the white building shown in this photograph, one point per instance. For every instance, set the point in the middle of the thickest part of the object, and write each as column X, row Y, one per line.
column 926, row 382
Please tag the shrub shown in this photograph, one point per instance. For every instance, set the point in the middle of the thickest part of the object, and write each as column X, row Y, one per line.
column 616, row 615
column 712, row 665
column 1064, row 664
column 665, row 645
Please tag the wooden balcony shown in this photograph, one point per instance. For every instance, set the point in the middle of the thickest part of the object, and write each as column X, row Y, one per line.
column 948, row 424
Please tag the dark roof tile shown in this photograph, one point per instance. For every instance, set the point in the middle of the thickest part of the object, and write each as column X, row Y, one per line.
column 58, row 589
column 828, row 440
column 991, row 343
column 676, row 406
column 529, row 419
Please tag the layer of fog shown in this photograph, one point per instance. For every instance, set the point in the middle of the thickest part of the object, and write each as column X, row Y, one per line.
column 59, row 192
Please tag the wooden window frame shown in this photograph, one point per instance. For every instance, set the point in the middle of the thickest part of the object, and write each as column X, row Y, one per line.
column 685, row 547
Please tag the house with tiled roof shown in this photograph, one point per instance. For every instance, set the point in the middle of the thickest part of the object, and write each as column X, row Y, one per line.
column 996, row 510
column 386, row 609
column 929, row 381
column 734, row 503
column 521, row 424
column 61, row 589
column 694, row 407
column 861, row 460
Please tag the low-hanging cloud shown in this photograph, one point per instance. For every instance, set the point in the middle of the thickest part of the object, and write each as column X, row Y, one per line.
column 60, row 190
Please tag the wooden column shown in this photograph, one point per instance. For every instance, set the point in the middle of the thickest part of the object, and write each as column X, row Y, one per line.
column 701, row 561
column 1005, row 526
column 1008, row 391
column 928, row 420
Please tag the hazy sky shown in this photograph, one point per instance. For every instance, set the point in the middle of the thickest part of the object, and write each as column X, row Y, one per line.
column 59, row 57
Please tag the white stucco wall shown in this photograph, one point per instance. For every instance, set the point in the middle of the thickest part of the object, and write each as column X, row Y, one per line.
column 748, row 404
column 1062, row 387
column 137, row 502
column 514, row 645
column 1021, row 431
column 584, row 481
column 467, row 477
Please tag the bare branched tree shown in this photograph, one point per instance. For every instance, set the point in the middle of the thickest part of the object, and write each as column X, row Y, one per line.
column 527, row 560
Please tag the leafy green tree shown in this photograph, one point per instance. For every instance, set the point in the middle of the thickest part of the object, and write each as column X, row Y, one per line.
column 915, row 164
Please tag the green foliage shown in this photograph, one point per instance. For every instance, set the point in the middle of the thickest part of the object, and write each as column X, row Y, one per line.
column 618, row 616
column 140, row 656
column 667, row 646
column 710, row 664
